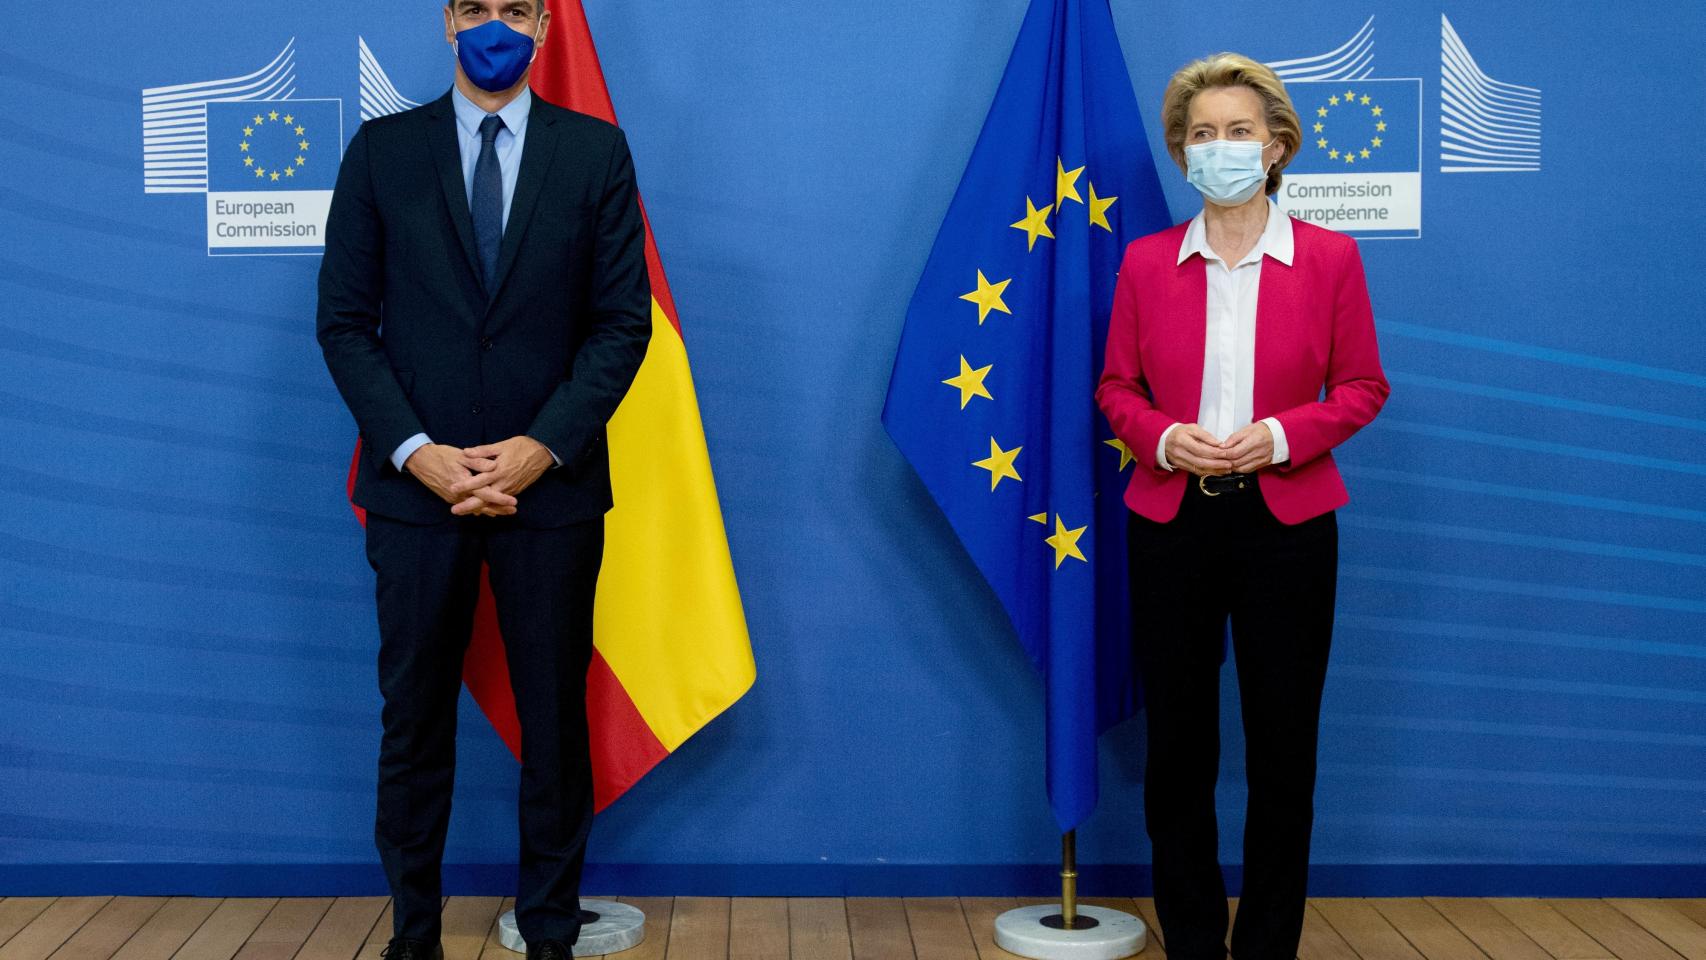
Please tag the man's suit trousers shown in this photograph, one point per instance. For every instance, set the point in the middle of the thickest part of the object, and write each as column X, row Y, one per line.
column 428, row 579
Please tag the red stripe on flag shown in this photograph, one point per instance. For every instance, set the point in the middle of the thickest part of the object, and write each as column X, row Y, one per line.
column 568, row 74
column 485, row 669
column 654, row 271
column 624, row 749
column 349, row 487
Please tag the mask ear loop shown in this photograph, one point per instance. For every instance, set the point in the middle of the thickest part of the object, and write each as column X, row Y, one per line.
column 1269, row 166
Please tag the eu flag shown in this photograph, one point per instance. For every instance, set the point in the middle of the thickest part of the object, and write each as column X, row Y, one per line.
column 992, row 394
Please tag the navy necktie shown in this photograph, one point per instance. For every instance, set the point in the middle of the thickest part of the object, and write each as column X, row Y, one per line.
column 488, row 205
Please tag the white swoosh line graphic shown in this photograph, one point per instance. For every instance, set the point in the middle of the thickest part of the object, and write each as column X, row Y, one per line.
column 1486, row 125
column 174, row 121
column 379, row 96
column 1352, row 61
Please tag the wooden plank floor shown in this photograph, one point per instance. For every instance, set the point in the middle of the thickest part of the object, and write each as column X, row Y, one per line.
column 719, row 928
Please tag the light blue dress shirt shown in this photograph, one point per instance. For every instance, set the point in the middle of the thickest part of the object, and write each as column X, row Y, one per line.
column 508, row 144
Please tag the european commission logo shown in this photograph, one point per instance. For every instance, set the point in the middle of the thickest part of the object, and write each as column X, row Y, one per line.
column 1359, row 169
column 271, row 168
column 266, row 163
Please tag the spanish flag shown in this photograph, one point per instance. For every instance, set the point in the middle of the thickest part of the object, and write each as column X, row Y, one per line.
column 670, row 647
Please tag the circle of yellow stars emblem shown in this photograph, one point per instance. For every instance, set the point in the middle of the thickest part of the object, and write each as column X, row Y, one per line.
column 295, row 136
column 1348, row 99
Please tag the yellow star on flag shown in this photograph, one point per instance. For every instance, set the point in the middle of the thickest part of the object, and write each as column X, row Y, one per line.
column 273, row 115
column 244, row 146
column 275, row 175
column 1065, row 542
column 248, row 131
column 999, row 463
column 260, row 172
column 1365, row 153
column 258, row 120
column 1375, row 142
column 987, row 296
column 1349, row 96
column 1126, row 456
column 290, row 171
column 1319, row 126
column 300, row 130
column 1376, row 111
column 248, row 161
column 1350, row 157
column 289, row 119
column 1321, row 143
column 303, row 144
column 1099, row 209
column 970, row 382
column 1065, row 183
column 1365, row 99
column 1320, row 111
column 1041, row 518
column 301, row 160
column 1333, row 154
column 1035, row 224
column 1333, row 100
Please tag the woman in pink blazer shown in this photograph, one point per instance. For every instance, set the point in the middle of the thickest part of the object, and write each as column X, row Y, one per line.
column 1241, row 351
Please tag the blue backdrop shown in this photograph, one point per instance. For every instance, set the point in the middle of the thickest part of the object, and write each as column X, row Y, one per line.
column 1518, row 683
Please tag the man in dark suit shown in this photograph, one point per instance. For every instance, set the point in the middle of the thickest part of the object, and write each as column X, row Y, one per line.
column 484, row 307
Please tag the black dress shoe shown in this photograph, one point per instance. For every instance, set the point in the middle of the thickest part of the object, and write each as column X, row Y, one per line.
column 402, row 948
column 549, row 950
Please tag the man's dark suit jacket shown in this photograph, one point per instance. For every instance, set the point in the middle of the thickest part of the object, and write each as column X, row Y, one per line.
column 415, row 342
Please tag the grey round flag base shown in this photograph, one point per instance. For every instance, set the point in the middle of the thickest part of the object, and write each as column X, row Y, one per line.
column 1115, row 934
column 618, row 927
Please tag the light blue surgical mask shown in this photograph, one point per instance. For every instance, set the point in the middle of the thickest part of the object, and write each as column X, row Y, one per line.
column 1228, row 172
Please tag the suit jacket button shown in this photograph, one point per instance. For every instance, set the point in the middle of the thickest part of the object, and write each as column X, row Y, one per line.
column 485, row 343
column 475, row 410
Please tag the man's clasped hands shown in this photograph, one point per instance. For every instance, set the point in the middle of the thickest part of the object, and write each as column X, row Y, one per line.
column 484, row 480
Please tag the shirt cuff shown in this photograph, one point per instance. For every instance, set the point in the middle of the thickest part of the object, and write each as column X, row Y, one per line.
column 405, row 449
column 1161, row 449
column 556, row 461
column 1282, row 452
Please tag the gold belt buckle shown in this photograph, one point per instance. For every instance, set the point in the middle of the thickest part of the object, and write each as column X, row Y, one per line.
column 1202, row 484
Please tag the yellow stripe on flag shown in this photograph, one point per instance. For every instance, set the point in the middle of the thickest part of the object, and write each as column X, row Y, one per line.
column 668, row 616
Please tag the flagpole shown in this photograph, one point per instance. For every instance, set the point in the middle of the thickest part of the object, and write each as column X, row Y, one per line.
column 1069, row 917
column 1069, row 881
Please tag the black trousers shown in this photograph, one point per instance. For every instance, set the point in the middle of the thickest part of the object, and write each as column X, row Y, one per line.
column 1226, row 556
column 428, row 580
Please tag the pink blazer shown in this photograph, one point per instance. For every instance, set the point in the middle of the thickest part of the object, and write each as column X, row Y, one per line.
column 1314, row 330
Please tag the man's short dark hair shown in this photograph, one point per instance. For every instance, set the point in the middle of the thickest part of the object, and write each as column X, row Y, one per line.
column 537, row 5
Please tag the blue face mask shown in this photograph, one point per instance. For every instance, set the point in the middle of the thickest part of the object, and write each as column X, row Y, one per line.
column 1228, row 172
column 493, row 56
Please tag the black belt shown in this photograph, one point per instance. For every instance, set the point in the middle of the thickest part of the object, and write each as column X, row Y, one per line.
column 1226, row 483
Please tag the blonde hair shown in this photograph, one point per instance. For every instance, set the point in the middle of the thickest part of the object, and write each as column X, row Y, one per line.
column 1231, row 70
